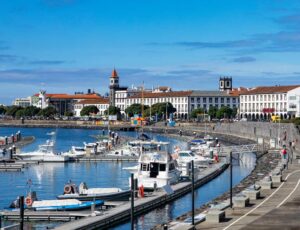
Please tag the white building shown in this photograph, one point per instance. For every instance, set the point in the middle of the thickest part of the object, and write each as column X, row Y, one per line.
column 179, row 100
column 294, row 102
column 264, row 101
column 207, row 99
column 102, row 104
column 23, row 102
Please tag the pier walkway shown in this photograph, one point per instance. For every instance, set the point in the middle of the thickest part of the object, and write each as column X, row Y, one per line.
column 279, row 208
column 142, row 205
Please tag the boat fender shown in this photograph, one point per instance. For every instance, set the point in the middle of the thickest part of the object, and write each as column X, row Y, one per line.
column 141, row 190
column 67, row 189
column 28, row 201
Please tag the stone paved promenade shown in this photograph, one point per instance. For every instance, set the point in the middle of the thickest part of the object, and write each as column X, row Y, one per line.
column 279, row 208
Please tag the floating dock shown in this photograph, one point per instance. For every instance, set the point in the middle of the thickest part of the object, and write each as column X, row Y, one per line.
column 110, row 158
column 122, row 213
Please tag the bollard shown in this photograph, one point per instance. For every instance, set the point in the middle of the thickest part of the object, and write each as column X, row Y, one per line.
column 21, row 204
column 14, row 150
column 10, row 153
column 165, row 227
column 6, row 140
column 93, row 207
column 12, row 138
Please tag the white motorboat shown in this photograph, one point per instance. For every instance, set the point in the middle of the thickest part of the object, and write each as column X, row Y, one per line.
column 76, row 152
column 156, row 168
column 44, row 153
column 210, row 141
column 125, row 151
column 83, row 193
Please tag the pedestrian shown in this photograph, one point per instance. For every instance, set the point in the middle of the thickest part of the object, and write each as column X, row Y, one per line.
column 294, row 145
column 103, row 132
column 284, row 153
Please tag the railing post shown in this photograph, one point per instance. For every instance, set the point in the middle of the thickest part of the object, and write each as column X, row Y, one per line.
column 132, row 202
column 193, row 194
column 230, row 179
column 21, row 204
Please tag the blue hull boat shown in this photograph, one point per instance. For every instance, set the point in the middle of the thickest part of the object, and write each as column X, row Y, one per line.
column 71, row 207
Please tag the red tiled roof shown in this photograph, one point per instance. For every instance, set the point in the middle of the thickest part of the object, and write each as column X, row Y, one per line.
column 238, row 91
column 165, row 94
column 92, row 102
column 271, row 89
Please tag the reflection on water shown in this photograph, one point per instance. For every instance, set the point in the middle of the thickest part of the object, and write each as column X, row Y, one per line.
column 48, row 179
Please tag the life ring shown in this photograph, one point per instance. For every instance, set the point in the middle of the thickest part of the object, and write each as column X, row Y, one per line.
column 28, row 201
column 67, row 189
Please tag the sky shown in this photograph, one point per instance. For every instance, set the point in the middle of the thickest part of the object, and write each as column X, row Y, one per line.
column 63, row 46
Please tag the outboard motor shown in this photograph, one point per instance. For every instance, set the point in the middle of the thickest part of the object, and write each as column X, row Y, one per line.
column 15, row 203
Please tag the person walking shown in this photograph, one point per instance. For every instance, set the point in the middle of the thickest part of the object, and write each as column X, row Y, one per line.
column 284, row 153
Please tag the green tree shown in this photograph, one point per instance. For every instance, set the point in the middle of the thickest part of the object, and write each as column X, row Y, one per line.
column 31, row 111
column 2, row 109
column 224, row 112
column 196, row 112
column 20, row 113
column 135, row 109
column 212, row 112
column 161, row 108
column 48, row 112
column 68, row 114
column 234, row 112
column 12, row 110
column 113, row 110
column 87, row 110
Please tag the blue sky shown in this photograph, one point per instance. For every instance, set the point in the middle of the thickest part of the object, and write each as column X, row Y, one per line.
column 64, row 46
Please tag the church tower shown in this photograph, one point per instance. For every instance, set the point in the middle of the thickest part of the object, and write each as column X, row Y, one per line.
column 113, row 86
column 225, row 83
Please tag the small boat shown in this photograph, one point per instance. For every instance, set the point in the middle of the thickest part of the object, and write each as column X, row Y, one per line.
column 156, row 168
column 84, row 193
column 75, row 153
column 44, row 153
column 32, row 203
column 63, row 205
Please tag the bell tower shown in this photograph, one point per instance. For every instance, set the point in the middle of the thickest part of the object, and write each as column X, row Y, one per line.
column 113, row 86
column 225, row 83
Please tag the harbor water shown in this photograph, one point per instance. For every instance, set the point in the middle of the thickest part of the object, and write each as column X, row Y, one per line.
column 48, row 179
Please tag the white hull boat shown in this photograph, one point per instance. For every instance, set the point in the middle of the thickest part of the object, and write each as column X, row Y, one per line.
column 156, row 168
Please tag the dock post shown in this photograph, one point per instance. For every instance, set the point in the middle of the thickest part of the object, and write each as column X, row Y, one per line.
column 132, row 202
column 21, row 204
column 193, row 194
column 230, row 179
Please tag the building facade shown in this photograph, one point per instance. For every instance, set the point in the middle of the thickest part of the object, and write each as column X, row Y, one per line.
column 264, row 101
column 63, row 103
column 23, row 102
column 208, row 99
column 102, row 105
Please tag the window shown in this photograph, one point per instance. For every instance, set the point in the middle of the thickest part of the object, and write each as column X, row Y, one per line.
column 162, row 167
column 222, row 99
column 234, row 100
column 198, row 99
column 216, row 100
column 228, row 99
column 144, row 167
column 192, row 100
column 204, row 100
column 210, row 100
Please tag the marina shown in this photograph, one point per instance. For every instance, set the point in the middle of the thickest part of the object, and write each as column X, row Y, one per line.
column 97, row 181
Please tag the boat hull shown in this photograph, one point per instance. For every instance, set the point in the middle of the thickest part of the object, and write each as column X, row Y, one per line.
column 120, row 196
column 74, row 207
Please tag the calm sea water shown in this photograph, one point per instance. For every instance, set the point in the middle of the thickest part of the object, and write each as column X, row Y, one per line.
column 49, row 179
